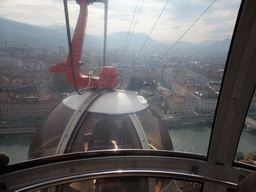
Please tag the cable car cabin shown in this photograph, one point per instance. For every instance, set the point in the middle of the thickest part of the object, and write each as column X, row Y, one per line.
column 103, row 119
column 100, row 119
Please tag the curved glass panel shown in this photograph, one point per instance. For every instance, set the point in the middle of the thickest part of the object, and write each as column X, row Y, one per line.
column 156, row 132
column 50, row 131
column 129, row 184
column 101, row 131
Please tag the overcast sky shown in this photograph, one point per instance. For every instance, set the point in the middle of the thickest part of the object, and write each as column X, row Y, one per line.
column 216, row 24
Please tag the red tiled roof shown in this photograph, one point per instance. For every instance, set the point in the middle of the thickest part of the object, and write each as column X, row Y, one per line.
column 167, row 93
column 178, row 100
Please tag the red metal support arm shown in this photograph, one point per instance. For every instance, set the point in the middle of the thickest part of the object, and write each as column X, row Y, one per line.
column 108, row 76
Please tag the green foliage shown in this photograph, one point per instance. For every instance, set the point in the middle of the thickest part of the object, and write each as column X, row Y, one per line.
column 249, row 158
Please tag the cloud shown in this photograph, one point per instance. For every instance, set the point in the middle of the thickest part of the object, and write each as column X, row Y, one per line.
column 187, row 9
column 41, row 12
column 176, row 27
column 178, row 16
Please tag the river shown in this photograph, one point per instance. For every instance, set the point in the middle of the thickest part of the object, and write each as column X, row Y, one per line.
column 194, row 139
column 16, row 147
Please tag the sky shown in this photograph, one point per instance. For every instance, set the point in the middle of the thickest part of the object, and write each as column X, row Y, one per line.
column 216, row 24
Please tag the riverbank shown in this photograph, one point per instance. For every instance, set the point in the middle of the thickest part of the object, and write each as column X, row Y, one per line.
column 16, row 146
column 188, row 125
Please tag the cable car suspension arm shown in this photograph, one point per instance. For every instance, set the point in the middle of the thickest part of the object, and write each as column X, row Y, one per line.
column 108, row 76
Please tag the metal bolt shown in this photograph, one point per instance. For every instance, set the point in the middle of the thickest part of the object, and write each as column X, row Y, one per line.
column 233, row 100
column 219, row 163
column 72, row 170
column 195, row 169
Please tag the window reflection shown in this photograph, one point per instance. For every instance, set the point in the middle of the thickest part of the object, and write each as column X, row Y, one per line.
column 101, row 131
column 49, row 133
column 128, row 184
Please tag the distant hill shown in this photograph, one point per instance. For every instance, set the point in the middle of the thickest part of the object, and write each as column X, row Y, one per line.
column 60, row 28
column 13, row 33
column 25, row 34
column 20, row 34
column 134, row 42
column 220, row 46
